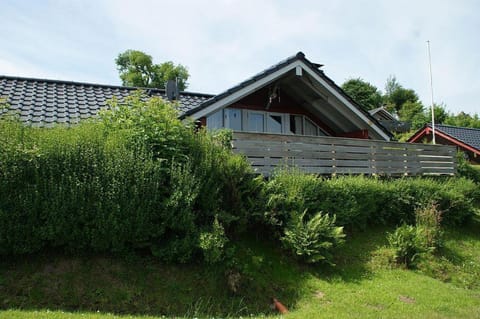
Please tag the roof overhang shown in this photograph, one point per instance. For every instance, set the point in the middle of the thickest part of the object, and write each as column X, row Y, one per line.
column 330, row 97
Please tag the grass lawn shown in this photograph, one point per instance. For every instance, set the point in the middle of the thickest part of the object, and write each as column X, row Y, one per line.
column 362, row 285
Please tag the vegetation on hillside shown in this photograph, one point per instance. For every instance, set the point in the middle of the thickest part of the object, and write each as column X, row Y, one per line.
column 139, row 212
column 59, row 286
column 137, row 179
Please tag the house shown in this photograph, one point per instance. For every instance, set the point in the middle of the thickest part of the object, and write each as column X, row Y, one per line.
column 289, row 112
column 389, row 121
column 464, row 139
column 291, row 97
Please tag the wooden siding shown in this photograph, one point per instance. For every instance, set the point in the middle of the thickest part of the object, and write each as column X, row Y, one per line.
column 333, row 155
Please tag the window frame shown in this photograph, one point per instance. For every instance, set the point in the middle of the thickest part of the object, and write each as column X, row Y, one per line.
column 285, row 125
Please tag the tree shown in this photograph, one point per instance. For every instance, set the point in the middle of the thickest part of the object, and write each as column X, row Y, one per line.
column 396, row 95
column 463, row 119
column 420, row 119
column 410, row 110
column 364, row 93
column 136, row 68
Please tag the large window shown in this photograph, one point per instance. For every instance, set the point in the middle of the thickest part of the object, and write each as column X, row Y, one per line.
column 255, row 122
column 262, row 121
column 215, row 120
column 274, row 123
column 233, row 119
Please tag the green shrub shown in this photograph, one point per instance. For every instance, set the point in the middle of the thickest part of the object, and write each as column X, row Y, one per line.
column 359, row 201
column 287, row 192
column 466, row 170
column 313, row 240
column 213, row 243
column 404, row 242
column 138, row 178
column 428, row 223
column 410, row 242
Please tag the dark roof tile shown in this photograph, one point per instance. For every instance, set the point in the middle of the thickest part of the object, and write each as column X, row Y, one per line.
column 59, row 100
column 469, row 136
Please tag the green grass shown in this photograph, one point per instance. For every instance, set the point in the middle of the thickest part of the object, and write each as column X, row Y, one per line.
column 364, row 284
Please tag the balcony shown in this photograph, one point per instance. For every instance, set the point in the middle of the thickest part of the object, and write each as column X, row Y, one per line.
column 344, row 156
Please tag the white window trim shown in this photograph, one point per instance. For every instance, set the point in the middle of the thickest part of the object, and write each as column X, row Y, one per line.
column 285, row 121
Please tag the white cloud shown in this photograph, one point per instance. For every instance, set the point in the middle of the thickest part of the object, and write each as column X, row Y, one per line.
column 224, row 42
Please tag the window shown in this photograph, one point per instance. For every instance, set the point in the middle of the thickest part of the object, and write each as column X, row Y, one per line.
column 274, row 123
column 296, row 124
column 255, row 122
column 310, row 128
column 215, row 120
column 233, row 119
column 261, row 121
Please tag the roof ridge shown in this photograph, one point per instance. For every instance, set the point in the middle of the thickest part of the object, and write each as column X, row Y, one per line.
column 129, row 88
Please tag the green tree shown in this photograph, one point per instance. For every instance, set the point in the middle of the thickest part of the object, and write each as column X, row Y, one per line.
column 421, row 118
column 136, row 68
column 410, row 110
column 396, row 95
column 364, row 93
column 463, row 119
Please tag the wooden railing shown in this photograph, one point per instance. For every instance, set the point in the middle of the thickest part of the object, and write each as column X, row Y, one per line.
column 332, row 155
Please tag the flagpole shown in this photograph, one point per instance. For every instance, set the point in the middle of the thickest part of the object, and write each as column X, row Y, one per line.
column 431, row 91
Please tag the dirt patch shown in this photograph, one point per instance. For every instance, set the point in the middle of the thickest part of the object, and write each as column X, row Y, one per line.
column 319, row 294
column 406, row 299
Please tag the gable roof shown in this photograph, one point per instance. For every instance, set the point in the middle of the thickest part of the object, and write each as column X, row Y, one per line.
column 463, row 136
column 381, row 112
column 43, row 102
column 300, row 64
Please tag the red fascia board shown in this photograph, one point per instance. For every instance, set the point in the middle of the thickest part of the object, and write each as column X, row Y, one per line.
column 420, row 134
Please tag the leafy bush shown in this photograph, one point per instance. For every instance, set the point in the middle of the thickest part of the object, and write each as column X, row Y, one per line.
column 313, row 240
column 466, row 170
column 405, row 244
column 213, row 243
column 410, row 242
column 138, row 178
column 358, row 201
column 428, row 223
column 288, row 192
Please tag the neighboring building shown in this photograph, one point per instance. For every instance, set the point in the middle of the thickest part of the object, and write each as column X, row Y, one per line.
column 464, row 138
column 292, row 97
column 389, row 121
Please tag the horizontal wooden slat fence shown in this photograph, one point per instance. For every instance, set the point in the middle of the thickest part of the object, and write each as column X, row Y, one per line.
column 332, row 155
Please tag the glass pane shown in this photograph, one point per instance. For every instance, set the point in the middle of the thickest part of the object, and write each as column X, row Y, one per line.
column 233, row 119
column 274, row 123
column 255, row 122
column 296, row 124
column 215, row 120
column 310, row 128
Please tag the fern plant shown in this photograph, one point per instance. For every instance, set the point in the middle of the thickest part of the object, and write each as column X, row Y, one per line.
column 313, row 240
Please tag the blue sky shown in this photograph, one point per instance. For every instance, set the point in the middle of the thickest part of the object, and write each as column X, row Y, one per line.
column 224, row 42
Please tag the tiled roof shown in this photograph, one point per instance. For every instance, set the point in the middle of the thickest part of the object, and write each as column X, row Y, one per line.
column 44, row 102
column 469, row 136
